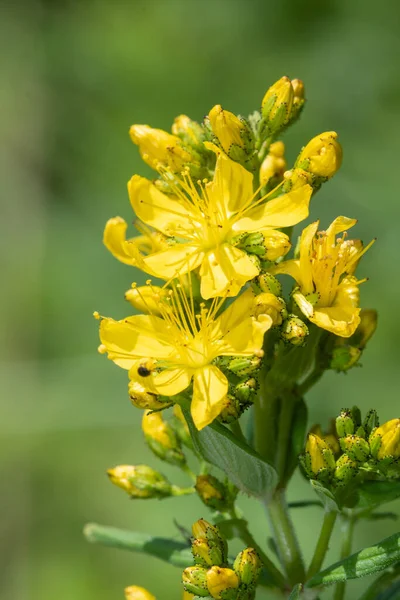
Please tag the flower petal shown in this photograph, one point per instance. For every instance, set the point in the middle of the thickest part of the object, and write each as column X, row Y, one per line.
column 170, row 381
column 231, row 187
column 178, row 259
column 288, row 267
column 304, row 305
column 114, row 239
column 210, row 387
column 136, row 337
column 337, row 226
column 168, row 215
column 284, row 211
column 247, row 338
column 225, row 270
column 340, row 320
column 306, row 244
column 241, row 308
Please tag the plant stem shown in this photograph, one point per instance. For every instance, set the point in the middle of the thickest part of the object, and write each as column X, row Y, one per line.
column 347, row 539
column 322, row 544
column 285, row 538
column 284, row 430
column 249, row 540
column 237, row 431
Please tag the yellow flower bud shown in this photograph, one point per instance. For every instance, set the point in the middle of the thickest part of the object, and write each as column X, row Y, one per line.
column 187, row 129
column 295, row 179
column 140, row 481
column 227, row 127
column 187, row 596
column 141, row 398
column 319, row 460
column 273, row 166
column 277, row 104
column 194, row 580
column 385, row 440
column 216, row 544
column 356, row 447
column 157, row 146
column 161, row 438
column 269, row 283
column 248, row 566
column 294, row 330
column 298, row 89
column 220, row 581
column 212, row 492
column 269, row 304
column 133, row 592
column 322, row 156
column 329, row 437
column 345, row 470
column 147, row 298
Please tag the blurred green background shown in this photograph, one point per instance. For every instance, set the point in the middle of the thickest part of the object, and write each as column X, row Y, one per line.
column 75, row 76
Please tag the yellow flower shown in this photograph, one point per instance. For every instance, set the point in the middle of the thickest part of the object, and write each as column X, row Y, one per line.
column 183, row 345
column 219, row 580
column 385, row 440
column 327, row 292
column 134, row 592
column 132, row 251
column 227, row 127
column 209, row 222
column 157, row 146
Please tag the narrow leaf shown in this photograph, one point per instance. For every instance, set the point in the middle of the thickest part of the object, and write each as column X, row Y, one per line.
column 175, row 553
column 242, row 465
column 296, row 592
column 327, row 498
column 366, row 562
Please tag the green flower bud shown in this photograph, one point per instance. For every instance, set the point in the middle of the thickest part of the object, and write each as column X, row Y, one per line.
column 269, row 304
column 212, row 492
column 346, row 469
column 269, row 283
column 207, row 554
column 247, row 567
column 385, row 440
column 189, row 131
column 222, row 583
column 244, row 365
column 140, row 481
column 246, row 391
column 371, row 421
column 294, row 331
column 344, row 358
column 194, row 581
column 345, row 424
column 355, row 447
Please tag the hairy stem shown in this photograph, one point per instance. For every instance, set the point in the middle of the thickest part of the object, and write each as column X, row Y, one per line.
column 347, row 540
column 322, row 544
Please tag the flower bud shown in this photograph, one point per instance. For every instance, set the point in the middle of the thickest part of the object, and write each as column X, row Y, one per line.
column 269, row 304
column 222, row 583
column 366, row 328
column 294, row 330
column 161, row 438
column 344, row 357
column 141, row 398
column 232, row 409
column 328, row 436
column 213, row 493
column 322, row 156
column 187, row 596
column 203, row 530
column 371, row 421
column 345, row 470
column 157, row 146
column 273, row 166
column 345, row 424
column 247, row 567
column 231, row 132
column 270, row 244
column 298, row 91
column 189, row 131
column 244, row 365
column 385, row 440
column 355, row 447
column 269, row 283
column 246, row 391
column 295, row 179
column 318, row 460
column 277, row 104
column 147, row 298
column 134, row 592
column 140, row 481
column 195, row 581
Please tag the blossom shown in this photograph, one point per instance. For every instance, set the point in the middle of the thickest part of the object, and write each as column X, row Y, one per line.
column 158, row 146
column 208, row 221
column 166, row 353
column 327, row 292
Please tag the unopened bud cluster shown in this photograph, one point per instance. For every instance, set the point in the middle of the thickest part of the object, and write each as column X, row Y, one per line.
column 361, row 449
column 211, row 574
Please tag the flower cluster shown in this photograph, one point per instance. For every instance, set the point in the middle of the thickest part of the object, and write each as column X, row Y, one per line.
column 216, row 223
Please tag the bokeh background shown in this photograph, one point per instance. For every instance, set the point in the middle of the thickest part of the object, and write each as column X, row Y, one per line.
column 75, row 76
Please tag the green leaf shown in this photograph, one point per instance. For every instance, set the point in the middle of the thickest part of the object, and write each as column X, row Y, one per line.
column 175, row 553
column 304, row 503
column 374, row 493
column 242, row 465
column 366, row 562
column 296, row 592
column 327, row 498
column 385, row 587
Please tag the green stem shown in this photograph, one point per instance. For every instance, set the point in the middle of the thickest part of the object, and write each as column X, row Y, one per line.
column 186, row 469
column 178, row 491
column 285, row 538
column 249, row 540
column 322, row 544
column 311, row 380
column 347, row 539
column 284, row 431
